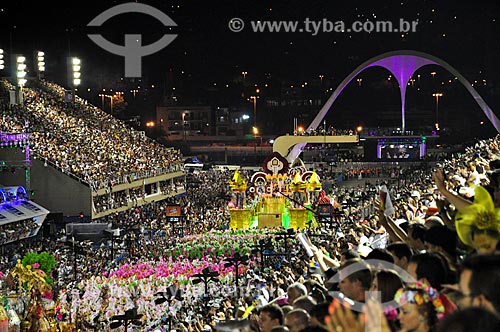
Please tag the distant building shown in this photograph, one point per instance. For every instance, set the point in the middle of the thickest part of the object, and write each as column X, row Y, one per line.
column 183, row 121
column 187, row 122
column 232, row 122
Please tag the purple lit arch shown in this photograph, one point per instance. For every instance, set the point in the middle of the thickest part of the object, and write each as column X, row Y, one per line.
column 402, row 64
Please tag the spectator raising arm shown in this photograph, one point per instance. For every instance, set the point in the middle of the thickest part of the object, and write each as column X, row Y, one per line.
column 456, row 200
column 396, row 233
column 324, row 262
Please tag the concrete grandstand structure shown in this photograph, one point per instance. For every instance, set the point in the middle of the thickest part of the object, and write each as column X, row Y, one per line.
column 83, row 162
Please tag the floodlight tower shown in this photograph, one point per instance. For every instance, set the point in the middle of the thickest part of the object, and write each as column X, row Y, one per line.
column 74, row 75
column 40, row 60
column 21, row 76
column 2, row 62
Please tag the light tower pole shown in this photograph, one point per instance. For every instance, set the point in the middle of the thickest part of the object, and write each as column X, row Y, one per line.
column 437, row 95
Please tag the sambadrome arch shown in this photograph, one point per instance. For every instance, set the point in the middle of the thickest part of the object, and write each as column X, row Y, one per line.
column 402, row 64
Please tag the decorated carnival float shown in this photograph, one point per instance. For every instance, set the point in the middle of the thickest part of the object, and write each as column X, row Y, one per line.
column 280, row 196
column 30, row 301
column 27, row 298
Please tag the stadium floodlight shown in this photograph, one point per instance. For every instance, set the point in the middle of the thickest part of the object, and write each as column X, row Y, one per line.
column 76, row 66
column 40, row 58
column 21, row 70
column 2, row 65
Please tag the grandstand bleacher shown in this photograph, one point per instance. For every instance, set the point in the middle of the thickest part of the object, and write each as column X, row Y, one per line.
column 85, row 160
column 20, row 218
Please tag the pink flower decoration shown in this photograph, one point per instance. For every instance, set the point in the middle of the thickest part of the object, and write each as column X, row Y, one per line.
column 390, row 313
column 47, row 295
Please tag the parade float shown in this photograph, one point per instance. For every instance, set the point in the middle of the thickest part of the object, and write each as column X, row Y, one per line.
column 91, row 303
column 279, row 197
column 139, row 285
column 27, row 298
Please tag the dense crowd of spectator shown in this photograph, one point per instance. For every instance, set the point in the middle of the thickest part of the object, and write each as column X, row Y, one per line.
column 17, row 230
column 130, row 197
column 424, row 245
column 82, row 140
column 321, row 131
column 297, row 294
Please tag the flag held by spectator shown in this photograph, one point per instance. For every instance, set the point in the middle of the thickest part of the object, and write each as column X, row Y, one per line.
column 385, row 201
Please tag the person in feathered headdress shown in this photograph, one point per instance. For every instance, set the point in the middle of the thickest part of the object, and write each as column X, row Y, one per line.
column 478, row 224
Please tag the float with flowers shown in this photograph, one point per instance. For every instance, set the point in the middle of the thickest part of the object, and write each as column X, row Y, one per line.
column 91, row 304
column 28, row 298
column 95, row 301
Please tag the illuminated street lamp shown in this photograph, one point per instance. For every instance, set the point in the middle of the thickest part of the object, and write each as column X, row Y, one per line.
column 254, row 99
column 437, row 95
column 359, row 129
column 102, row 95
column 184, row 126
column 117, row 95
column 300, row 130
column 150, row 125
column 110, row 103
column 255, row 132
column 244, row 73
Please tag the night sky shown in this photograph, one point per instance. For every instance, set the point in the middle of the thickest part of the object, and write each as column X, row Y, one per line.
column 207, row 56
